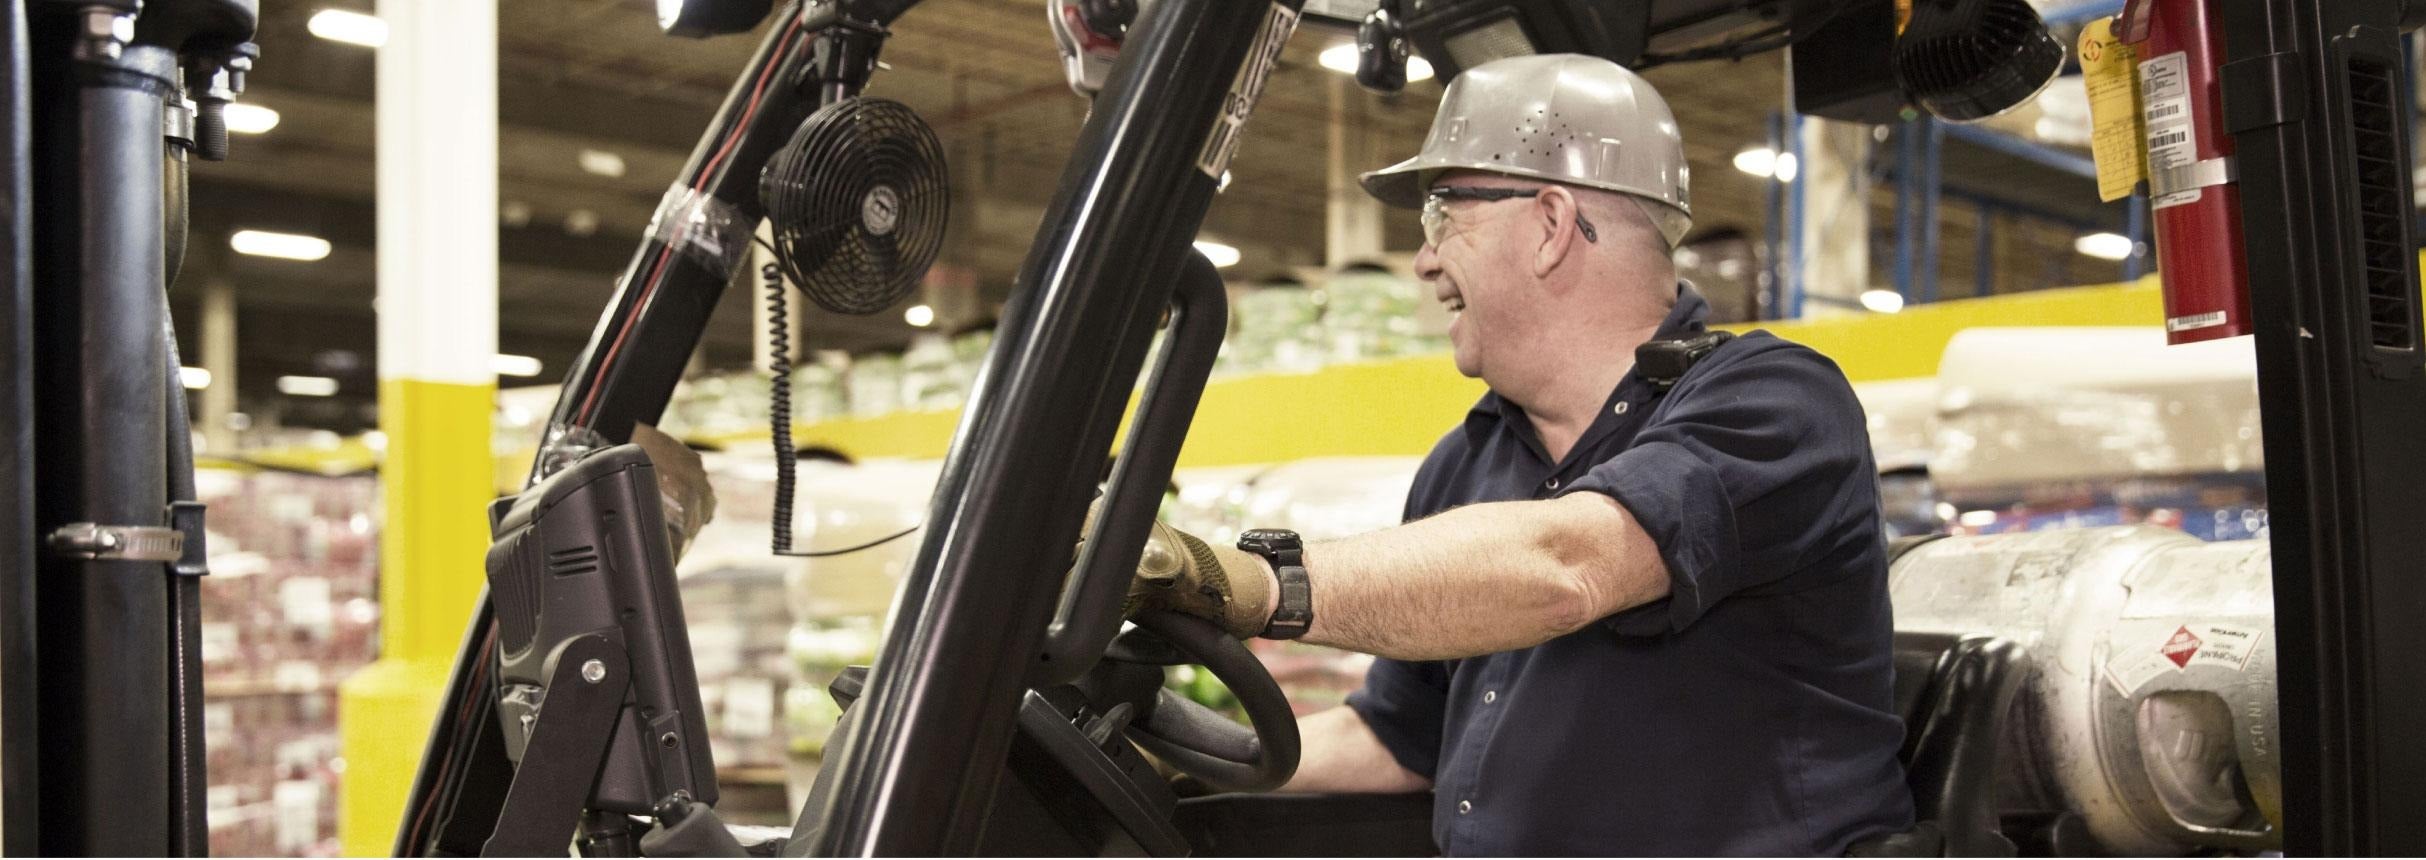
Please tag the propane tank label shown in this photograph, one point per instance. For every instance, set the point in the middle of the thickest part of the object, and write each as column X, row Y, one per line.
column 2173, row 140
column 2110, row 72
column 2226, row 646
column 1222, row 143
column 2188, row 646
column 2181, row 647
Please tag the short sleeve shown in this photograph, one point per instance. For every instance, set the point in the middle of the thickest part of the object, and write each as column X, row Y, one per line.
column 1406, row 705
column 1747, row 470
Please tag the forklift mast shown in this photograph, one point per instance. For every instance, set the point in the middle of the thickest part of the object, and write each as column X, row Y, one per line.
column 2316, row 97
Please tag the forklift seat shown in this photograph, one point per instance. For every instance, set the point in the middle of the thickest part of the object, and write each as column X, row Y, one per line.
column 1954, row 693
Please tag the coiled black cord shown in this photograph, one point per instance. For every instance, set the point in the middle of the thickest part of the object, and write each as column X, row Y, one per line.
column 779, row 421
column 779, row 402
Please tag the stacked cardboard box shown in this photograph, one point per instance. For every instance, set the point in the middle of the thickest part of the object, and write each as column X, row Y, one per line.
column 289, row 610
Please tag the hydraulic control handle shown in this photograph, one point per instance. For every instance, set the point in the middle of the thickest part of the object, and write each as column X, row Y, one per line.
column 1090, row 603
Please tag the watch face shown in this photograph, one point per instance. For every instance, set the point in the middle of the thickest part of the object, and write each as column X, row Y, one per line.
column 1266, row 537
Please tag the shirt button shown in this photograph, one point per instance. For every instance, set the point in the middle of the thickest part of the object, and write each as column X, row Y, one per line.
column 1620, row 408
column 1552, row 483
column 1490, row 696
column 1465, row 806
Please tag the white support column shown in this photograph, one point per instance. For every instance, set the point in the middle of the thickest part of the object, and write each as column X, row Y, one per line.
column 1352, row 219
column 437, row 306
column 218, row 400
column 1836, row 215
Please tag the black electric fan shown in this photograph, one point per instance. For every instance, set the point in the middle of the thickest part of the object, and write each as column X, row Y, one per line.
column 857, row 201
column 1967, row 60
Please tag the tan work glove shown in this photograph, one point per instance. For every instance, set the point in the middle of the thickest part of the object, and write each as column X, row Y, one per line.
column 1225, row 585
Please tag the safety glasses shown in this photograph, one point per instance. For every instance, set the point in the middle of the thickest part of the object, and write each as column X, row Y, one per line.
column 1436, row 214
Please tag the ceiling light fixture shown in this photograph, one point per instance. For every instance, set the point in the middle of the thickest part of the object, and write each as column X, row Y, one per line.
column 1222, row 256
column 348, row 26
column 698, row 18
column 1767, row 163
column 243, row 118
column 919, row 315
column 504, row 364
column 2104, row 246
column 581, row 222
column 307, row 386
column 1341, row 58
column 601, row 162
column 284, row 246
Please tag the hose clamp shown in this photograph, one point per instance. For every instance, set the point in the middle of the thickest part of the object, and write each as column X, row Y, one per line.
column 118, row 543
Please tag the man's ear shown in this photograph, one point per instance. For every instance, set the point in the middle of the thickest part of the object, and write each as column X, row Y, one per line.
column 1555, row 211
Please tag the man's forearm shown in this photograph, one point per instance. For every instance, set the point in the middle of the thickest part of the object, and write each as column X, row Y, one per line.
column 1482, row 579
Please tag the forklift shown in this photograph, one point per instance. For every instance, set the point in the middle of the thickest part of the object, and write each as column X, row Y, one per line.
column 1008, row 707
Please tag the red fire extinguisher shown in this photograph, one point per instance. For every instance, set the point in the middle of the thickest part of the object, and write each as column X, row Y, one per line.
column 2191, row 187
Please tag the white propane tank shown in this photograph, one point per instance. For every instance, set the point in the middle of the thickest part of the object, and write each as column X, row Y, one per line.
column 2151, row 713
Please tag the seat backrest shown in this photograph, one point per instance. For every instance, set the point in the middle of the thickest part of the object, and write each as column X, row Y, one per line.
column 1954, row 693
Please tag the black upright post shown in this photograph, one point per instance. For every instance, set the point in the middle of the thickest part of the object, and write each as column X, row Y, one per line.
column 919, row 765
column 101, row 437
column 2316, row 100
column 624, row 377
column 20, row 817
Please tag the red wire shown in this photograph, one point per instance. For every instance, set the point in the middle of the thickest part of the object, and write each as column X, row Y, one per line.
column 648, row 285
column 462, row 714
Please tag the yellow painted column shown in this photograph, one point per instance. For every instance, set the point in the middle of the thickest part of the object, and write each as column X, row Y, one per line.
column 437, row 307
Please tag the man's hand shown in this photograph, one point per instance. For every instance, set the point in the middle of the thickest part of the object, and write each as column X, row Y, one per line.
column 1224, row 585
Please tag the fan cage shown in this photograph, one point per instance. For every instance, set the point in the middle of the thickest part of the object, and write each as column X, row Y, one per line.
column 857, row 200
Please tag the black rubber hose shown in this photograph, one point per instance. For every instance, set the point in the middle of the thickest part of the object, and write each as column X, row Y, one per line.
column 189, row 827
column 176, row 217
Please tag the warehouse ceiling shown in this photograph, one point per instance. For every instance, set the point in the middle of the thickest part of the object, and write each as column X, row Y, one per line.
column 596, row 75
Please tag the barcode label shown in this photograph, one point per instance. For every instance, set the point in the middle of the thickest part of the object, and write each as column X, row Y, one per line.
column 1220, row 146
column 2172, row 130
column 2194, row 322
column 1222, row 141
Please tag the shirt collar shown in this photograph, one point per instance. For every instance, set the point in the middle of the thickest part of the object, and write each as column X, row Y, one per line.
column 1690, row 315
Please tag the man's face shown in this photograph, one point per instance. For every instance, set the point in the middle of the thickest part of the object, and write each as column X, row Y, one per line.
column 1475, row 262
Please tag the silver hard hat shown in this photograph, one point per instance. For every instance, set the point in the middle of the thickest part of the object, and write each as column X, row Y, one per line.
column 1561, row 117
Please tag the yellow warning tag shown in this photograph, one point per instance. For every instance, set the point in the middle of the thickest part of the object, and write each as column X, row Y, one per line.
column 2110, row 70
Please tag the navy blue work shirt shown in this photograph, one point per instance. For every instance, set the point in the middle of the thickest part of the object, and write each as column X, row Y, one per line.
column 1751, row 711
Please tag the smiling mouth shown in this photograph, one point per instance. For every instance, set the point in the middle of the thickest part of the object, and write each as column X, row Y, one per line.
column 1456, row 304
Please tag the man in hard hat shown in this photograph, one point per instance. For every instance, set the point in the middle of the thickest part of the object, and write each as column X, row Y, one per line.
column 1635, row 609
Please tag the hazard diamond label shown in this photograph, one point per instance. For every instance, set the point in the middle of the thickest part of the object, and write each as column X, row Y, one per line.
column 2183, row 646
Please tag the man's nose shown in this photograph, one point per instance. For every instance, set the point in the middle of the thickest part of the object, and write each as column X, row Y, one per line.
column 1427, row 263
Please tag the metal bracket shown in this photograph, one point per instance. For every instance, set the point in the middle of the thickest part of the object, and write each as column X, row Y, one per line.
column 2192, row 176
column 187, row 519
column 559, row 769
column 119, row 543
column 2264, row 91
column 177, row 122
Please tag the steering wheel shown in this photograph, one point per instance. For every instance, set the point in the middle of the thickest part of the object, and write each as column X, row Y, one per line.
column 1195, row 739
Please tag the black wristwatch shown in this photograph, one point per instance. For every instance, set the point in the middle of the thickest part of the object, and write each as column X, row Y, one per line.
column 1286, row 552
